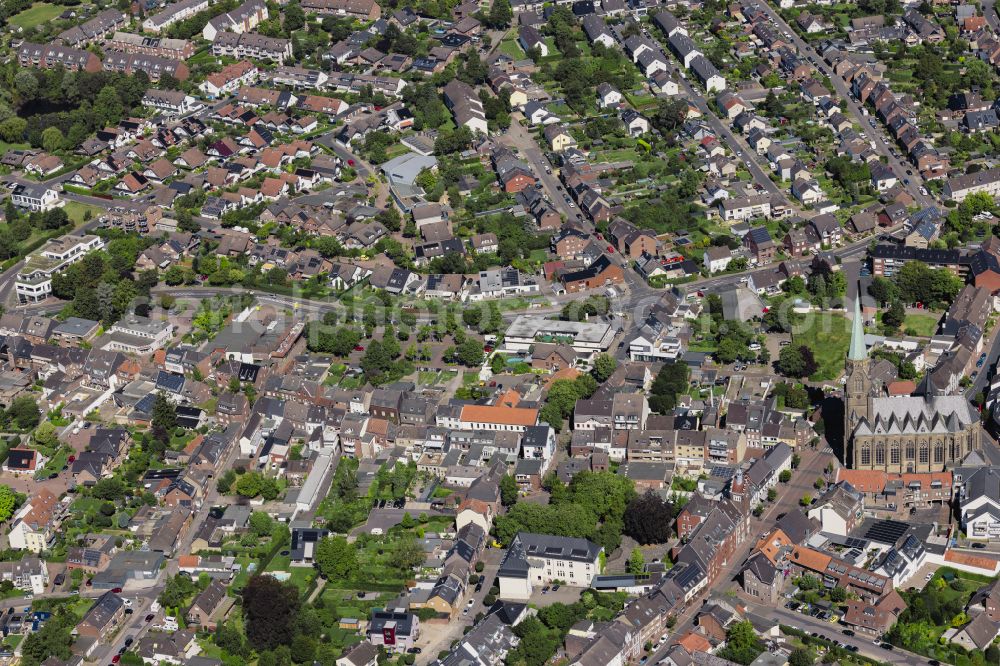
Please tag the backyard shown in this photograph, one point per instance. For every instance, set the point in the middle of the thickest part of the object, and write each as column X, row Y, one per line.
column 921, row 325
column 932, row 611
column 828, row 335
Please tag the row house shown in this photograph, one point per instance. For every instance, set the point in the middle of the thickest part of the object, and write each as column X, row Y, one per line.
column 49, row 56
column 252, row 45
column 244, row 18
column 164, row 47
column 173, row 13
column 103, row 22
column 153, row 66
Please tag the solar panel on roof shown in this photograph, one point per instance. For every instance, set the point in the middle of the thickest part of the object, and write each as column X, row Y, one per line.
column 886, row 531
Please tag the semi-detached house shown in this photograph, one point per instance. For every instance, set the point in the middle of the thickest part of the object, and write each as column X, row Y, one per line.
column 464, row 103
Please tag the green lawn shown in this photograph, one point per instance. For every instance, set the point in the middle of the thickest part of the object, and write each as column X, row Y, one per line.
column 923, row 325
column 469, row 378
column 427, row 378
column 4, row 146
column 829, row 336
column 511, row 48
column 40, row 12
column 77, row 211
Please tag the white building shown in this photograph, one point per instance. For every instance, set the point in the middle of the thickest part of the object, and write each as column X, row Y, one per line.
column 34, row 281
column 173, row 102
column 717, row 258
column 979, row 502
column 539, row 559
column 587, row 338
column 35, row 197
column 139, row 335
column 173, row 13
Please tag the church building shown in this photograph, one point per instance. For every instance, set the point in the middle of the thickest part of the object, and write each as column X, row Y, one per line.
column 901, row 433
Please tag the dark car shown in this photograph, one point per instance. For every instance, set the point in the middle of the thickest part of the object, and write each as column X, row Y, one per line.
column 129, row 641
column 60, row 579
column 979, row 545
column 149, row 618
column 129, row 611
column 887, row 646
column 847, row 632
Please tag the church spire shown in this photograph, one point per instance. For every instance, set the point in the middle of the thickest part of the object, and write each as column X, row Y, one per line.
column 858, row 351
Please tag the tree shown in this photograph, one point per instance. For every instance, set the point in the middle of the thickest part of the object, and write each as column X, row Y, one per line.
column 883, row 289
column 796, row 361
column 500, row 15
column 801, row 657
column 470, row 353
column 636, row 562
column 772, row 494
column 295, row 18
column 8, row 500
column 164, row 419
column 671, row 380
column 335, row 557
column 177, row 591
column 604, row 366
column 270, row 608
column 250, row 484
column 742, row 644
column 894, row 317
column 647, row 519
column 785, row 476
column 407, row 553
column 261, row 524
column 107, row 108
column 24, row 412
column 472, row 316
column 303, row 649
column 53, row 139
column 508, row 491
column 12, row 130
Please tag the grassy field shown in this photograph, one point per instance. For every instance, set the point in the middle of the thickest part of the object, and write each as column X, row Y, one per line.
column 922, row 325
column 40, row 12
column 829, row 336
column 4, row 146
column 77, row 211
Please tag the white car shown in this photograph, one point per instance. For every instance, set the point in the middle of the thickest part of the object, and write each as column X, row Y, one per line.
column 923, row 191
column 472, row 602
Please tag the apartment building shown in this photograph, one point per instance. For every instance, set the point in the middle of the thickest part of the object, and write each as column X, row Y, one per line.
column 959, row 187
column 34, row 280
column 538, row 559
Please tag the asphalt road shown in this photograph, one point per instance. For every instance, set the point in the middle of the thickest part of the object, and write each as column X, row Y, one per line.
column 520, row 137
column 834, row 631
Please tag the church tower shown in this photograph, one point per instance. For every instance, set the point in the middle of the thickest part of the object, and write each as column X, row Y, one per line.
column 858, row 388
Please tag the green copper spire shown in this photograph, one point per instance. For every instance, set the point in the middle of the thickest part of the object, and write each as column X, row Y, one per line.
column 858, row 351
